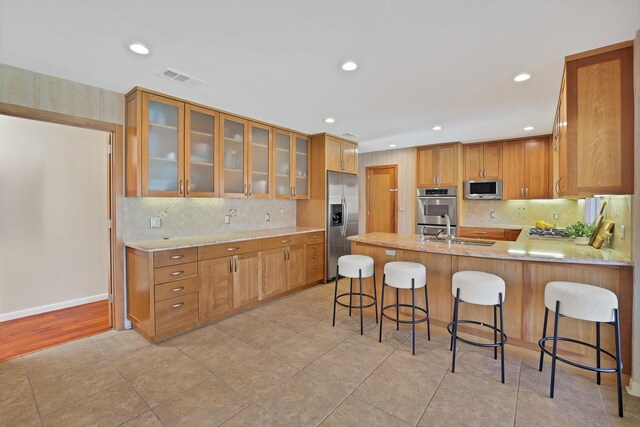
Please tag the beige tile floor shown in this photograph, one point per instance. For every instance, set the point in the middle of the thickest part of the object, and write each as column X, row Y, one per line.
column 283, row 364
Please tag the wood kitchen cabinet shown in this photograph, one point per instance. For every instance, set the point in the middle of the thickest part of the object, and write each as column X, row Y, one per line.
column 274, row 271
column 526, row 169
column 292, row 165
column 483, row 161
column 284, row 264
column 215, row 287
column 593, row 146
column 170, row 147
column 342, row 156
column 297, row 268
column 437, row 165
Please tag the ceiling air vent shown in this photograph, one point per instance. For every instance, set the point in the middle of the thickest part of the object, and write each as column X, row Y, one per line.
column 181, row 78
column 350, row 135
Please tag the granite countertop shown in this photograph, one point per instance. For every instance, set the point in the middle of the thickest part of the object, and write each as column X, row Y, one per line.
column 524, row 249
column 500, row 226
column 215, row 238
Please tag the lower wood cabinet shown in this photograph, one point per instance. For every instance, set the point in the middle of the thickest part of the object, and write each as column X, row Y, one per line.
column 172, row 291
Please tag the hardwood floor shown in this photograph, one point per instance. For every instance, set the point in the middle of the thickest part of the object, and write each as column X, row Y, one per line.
column 33, row 333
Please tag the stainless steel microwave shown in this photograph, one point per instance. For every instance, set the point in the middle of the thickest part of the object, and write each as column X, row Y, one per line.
column 483, row 190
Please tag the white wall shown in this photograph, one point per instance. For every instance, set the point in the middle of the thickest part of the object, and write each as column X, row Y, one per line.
column 54, row 241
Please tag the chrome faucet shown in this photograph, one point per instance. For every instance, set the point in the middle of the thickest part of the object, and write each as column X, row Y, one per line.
column 448, row 236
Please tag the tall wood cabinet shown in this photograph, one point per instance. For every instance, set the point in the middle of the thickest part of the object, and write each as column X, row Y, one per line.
column 437, row 165
column 526, row 169
column 593, row 131
column 483, row 161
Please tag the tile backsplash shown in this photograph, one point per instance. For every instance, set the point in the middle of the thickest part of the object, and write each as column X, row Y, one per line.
column 190, row 216
column 523, row 213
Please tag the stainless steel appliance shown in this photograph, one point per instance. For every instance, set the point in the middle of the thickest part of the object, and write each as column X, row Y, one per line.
column 483, row 190
column 342, row 217
column 433, row 207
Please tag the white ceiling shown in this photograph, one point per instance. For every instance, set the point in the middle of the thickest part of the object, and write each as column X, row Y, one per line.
column 421, row 62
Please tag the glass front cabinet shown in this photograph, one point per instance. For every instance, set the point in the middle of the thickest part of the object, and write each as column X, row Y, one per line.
column 177, row 149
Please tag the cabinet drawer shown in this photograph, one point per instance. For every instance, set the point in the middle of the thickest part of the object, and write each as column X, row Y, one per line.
column 315, row 271
column 482, row 233
column 175, row 289
column 175, row 272
column 175, row 314
column 174, row 256
column 314, row 237
column 227, row 249
column 282, row 241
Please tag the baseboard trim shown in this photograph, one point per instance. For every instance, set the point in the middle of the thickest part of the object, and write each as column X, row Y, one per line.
column 633, row 388
column 52, row 307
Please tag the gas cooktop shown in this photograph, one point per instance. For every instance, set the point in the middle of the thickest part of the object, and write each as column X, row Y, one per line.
column 543, row 232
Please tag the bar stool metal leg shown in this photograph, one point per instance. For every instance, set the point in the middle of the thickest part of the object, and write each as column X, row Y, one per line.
column 501, row 340
column 544, row 334
column 335, row 297
column 361, row 304
column 381, row 308
column 350, row 294
column 413, row 316
column 618, row 361
column 555, row 349
column 426, row 304
column 375, row 295
column 397, row 309
column 455, row 329
column 495, row 334
column 598, row 351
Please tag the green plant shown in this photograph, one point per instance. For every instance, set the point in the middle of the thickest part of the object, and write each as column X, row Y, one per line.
column 580, row 229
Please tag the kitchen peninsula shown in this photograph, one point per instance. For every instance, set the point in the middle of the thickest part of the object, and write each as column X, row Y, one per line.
column 526, row 265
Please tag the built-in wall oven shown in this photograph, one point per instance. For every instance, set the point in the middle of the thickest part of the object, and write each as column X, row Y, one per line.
column 433, row 204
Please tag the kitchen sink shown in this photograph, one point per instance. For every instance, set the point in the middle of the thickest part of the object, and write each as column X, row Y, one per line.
column 458, row 241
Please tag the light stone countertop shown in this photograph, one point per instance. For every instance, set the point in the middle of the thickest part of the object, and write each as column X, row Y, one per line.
column 523, row 249
column 215, row 238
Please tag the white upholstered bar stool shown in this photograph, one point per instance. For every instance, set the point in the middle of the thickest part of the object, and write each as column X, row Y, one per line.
column 355, row 267
column 583, row 302
column 406, row 275
column 478, row 287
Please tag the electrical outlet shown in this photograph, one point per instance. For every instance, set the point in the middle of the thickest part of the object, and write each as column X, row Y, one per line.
column 267, row 217
column 622, row 231
column 556, row 215
column 401, row 209
column 156, row 222
column 227, row 219
column 492, row 214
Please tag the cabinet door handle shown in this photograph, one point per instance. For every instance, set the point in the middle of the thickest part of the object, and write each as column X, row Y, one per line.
column 181, row 288
column 180, row 304
column 249, row 189
column 235, row 261
column 230, row 265
column 284, row 252
column 176, row 273
column 176, row 256
column 558, row 186
column 526, row 192
column 245, row 190
column 188, row 188
column 181, row 189
column 294, row 191
column 233, row 248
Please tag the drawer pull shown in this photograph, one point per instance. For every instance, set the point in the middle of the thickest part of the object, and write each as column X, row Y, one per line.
column 481, row 232
column 314, row 237
column 176, row 256
column 286, row 241
column 234, row 248
column 315, row 268
column 315, row 247
column 316, row 257
column 181, row 288
column 176, row 273
column 179, row 304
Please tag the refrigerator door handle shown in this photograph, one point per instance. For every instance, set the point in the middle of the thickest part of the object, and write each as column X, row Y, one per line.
column 345, row 216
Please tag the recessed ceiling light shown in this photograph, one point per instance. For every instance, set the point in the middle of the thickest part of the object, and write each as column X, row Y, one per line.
column 329, row 120
column 139, row 48
column 392, row 145
column 528, row 128
column 349, row 66
column 522, row 77
column 437, row 128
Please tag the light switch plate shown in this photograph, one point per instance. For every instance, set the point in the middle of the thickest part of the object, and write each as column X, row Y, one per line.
column 156, row 222
column 623, row 232
column 492, row 214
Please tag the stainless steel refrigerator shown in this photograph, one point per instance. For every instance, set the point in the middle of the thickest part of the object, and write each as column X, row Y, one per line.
column 342, row 217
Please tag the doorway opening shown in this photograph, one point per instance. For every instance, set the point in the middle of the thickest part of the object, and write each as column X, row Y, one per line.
column 382, row 199
column 56, row 241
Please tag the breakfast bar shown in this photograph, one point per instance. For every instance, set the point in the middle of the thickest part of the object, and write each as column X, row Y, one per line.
column 526, row 265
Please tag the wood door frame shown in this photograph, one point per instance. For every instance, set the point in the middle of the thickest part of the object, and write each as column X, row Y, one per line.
column 395, row 173
column 115, row 194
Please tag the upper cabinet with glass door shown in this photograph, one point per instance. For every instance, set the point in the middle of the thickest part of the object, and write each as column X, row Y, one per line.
column 301, row 181
column 201, row 148
column 260, row 162
column 234, row 154
column 283, row 142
